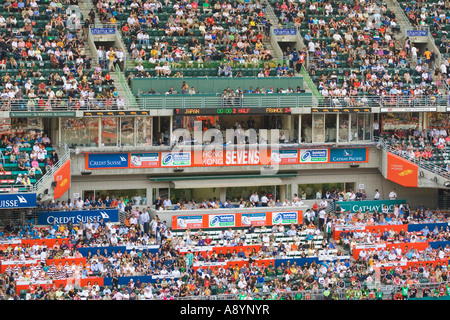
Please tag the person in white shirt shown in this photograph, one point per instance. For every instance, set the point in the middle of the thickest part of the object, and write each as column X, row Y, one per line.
column 377, row 195
column 393, row 194
column 254, row 198
column 264, row 200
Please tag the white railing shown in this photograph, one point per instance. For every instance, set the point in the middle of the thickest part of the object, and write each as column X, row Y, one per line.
column 49, row 174
column 424, row 164
column 389, row 101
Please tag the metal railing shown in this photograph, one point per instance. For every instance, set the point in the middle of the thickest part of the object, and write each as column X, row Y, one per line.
column 388, row 101
column 49, row 174
column 424, row 164
column 311, row 85
column 130, row 98
column 389, row 292
column 172, row 101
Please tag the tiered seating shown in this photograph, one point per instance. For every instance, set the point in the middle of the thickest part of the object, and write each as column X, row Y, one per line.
column 53, row 57
column 197, row 46
column 253, row 238
column 8, row 178
column 438, row 156
column 337, row 51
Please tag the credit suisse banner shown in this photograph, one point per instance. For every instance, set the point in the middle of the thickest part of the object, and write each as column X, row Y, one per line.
column 64, row 217
column 18, row 200
column 401, row 171
column 225, row 157
column 232, row 220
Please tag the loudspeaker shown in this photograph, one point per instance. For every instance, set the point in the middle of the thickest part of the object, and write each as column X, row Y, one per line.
column 54, row 184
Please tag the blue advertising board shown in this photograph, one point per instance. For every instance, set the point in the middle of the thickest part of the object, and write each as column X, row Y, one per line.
column 103, row 30
column 349, row 155
column 417, row 33
column 420, row 226
column 106, row 160
column 18, row 200
column 64, row 217
column 285, row 32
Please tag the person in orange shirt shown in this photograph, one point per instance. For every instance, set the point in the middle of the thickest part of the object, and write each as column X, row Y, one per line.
column 294, row 246
column 427, row 55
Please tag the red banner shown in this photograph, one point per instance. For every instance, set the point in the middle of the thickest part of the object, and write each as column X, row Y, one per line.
column 32, row 262
column 389, row 246
column 62, row 179
column 401, row 171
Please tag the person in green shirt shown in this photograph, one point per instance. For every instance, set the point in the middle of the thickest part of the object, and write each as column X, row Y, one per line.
column 242, row 295
column 405, row 291
column 190, row 259
column 358, row 294
column 379, row 294
column 349, row 293
column 447, row 289
column 273, row 295
column 257, row 297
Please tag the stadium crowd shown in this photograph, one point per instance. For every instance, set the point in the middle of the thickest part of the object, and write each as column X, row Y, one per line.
column 182, row 270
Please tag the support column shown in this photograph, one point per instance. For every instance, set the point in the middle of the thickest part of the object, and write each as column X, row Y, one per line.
column 223, row 194
column 282, row 192
column 294, row 189
column 149, row 196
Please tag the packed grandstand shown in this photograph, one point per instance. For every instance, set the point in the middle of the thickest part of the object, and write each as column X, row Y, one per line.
column 224, row 150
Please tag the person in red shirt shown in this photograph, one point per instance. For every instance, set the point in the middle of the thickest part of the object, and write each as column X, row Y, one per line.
column 398, row 295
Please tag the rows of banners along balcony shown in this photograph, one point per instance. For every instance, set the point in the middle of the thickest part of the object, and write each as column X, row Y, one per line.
column 225, row 157
column 236, row 220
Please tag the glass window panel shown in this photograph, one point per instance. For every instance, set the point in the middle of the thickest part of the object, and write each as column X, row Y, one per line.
column 109, row 131
column 354, row 127
column 127, row 131
column 318, row 128
column 343, row 127
column 330, row 127
column 82, row 132
column 307, row 128
column 144, row 131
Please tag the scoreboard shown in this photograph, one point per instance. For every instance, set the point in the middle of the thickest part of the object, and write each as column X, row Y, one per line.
column 230, row 111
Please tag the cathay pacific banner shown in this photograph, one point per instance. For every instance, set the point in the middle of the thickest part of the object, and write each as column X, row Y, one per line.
column 64, row 217
column 18, row 200
column 370, row 205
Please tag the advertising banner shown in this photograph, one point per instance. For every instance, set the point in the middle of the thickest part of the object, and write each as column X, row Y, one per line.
column 103, row 31
column 221, row 220
column 21, row 200
column 285, row 32
column 184, row 222
column 106, row 160
column 313, row 155
column 349, row 155
column 284, row 156
column 285, row 217
column 62, row 178
column 175, row 159
column 401, row 171
column 371, row 205
column 256, row 219
column 206, row 221
column 144, row 160
column 64, row 217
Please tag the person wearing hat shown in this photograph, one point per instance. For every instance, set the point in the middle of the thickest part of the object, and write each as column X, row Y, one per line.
column 19, row 179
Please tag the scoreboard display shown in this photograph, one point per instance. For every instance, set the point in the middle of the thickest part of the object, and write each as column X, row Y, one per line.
column 230, row 111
